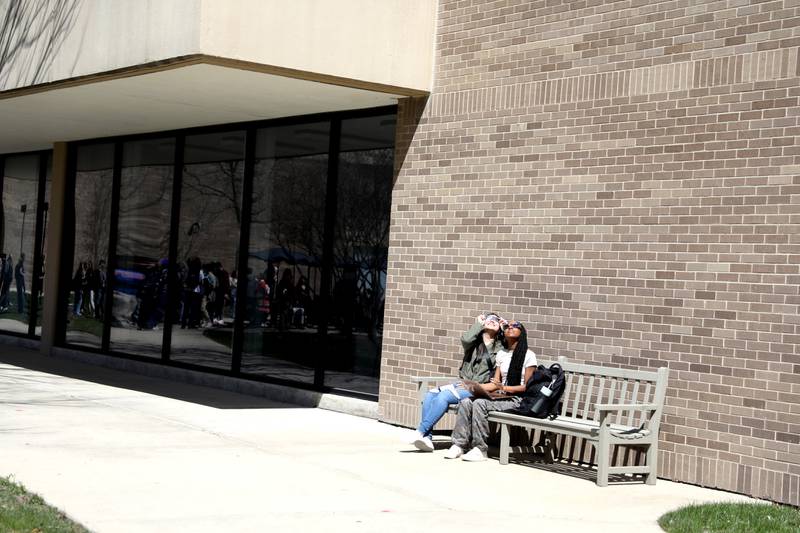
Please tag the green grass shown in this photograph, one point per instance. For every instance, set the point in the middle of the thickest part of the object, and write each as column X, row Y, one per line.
column 732, row 518
column 21, row 511
column 92, row 326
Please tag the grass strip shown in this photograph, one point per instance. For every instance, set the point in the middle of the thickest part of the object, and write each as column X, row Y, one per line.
column 23, row 512
column 732, row 518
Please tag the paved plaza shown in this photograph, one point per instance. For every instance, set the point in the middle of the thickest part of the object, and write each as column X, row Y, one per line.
column 127, row 453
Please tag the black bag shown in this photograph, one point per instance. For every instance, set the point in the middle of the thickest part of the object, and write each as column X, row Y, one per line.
column 543, row 393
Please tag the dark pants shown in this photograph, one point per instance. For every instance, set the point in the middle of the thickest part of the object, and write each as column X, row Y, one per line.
column 20, row 295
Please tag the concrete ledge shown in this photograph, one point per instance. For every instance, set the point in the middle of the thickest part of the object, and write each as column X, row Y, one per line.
column 271, row 391
column 21, row 342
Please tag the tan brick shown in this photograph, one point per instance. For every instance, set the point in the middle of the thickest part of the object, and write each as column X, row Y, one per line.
column 631, row 194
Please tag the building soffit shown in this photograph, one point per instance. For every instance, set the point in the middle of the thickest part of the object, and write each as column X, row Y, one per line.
column 182, row 92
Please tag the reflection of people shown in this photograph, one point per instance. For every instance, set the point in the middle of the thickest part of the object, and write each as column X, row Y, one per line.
column 8, row 276
column 76, row 287
column 480, row 342
column 100, row 294
column 284, row 297
column 19, row 277
column 4, row 288
column 262, row 302
column 87, row 294
column 192, row 294
column 515, row 366
column 345, row 293
column 234, row 281
column 302, row 302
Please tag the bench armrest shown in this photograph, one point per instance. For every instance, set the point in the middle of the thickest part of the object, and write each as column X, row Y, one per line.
column 626, row 407
column 424, row 382
column 433, row 379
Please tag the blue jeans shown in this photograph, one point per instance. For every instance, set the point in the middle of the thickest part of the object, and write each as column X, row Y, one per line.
column 435, row 406
column 76, row 309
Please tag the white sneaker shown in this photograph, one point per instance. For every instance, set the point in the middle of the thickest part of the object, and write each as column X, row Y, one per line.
column 423, row 444
column 454, row 452
column 413, row 437
column 474, row 455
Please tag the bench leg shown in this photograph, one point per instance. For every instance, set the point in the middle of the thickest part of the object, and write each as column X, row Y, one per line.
column 505, row 438
column 652, row 463
column 547, row 442
column 603, row 459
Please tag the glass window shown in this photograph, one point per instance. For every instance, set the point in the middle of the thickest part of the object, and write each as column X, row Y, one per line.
column 139, row 285
column 361, row 241
column 283, row 278
column 40, row 274
column 92, row 217
column 208, row 248
column 20, row 191
column 311, row 296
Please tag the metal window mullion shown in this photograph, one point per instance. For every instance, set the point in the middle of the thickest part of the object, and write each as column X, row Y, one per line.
column 113, row 235
column 67, row 244
column 173, row 285
column 329, row 234
column 244, row 249
column 33, row 305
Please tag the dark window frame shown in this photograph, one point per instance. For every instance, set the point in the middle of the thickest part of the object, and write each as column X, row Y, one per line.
column 335, row 120
column 36, row 289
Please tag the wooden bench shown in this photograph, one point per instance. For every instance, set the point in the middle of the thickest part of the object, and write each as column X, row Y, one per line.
column 607, row 407
column 426, row 383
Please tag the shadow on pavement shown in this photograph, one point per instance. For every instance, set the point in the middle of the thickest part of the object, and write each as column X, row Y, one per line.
column 211, row 397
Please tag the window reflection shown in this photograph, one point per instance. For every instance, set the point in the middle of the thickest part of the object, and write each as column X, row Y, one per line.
column 139, row 286
column 301, row 313
column 285, row 255
column 17, row 234
column 208, row 249
column 92, row 209
column 361, row 242
column 42, row 257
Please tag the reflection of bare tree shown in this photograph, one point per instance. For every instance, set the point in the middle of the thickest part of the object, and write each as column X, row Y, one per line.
column 18, row 200
column 291, row 204
column 30, row 33
column 212, row 196
column 144, row 209
column 92, row 215
column 362, row 224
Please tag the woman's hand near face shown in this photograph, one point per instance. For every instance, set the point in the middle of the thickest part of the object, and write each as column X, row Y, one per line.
column 481, row 319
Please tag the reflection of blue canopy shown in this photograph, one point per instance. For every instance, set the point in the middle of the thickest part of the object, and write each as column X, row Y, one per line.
column 281, row 254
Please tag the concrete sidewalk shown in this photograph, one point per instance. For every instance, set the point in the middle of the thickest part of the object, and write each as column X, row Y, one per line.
column 149, row 455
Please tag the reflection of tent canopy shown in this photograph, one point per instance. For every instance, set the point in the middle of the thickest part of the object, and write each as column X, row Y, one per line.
column 364, row 261
column 281, row 254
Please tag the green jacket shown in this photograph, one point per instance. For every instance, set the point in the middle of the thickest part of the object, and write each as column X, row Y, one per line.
column 478, row 364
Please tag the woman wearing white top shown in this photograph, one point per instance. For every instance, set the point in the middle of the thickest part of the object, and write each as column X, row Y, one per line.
column 515, row 366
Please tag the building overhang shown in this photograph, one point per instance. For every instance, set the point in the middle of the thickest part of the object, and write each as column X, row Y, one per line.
column 173, row 94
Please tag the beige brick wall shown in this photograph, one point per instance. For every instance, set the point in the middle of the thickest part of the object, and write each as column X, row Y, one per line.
column 624, row 178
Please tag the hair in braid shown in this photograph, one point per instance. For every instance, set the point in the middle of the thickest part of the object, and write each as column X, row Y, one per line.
column 514, row 376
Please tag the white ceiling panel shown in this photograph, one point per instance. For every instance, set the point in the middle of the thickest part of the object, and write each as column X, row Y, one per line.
column 196, row 95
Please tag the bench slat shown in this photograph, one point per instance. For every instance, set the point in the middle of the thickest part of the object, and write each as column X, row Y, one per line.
column 629, row 401
column 634, row 398
column 588, row 402
column 577, row 398
column 565, row 398
column 611, row 396
column 623, row 398
column 622, row 373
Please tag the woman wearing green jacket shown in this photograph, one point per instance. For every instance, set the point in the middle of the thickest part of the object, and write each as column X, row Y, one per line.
column 481, row 342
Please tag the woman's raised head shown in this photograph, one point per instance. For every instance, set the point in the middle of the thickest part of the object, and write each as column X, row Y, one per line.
column 491, row 322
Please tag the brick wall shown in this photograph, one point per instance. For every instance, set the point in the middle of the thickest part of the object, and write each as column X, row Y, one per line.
column 624, row 178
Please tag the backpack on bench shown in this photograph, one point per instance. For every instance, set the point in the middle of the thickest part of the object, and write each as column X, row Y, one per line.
column 543, row 392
